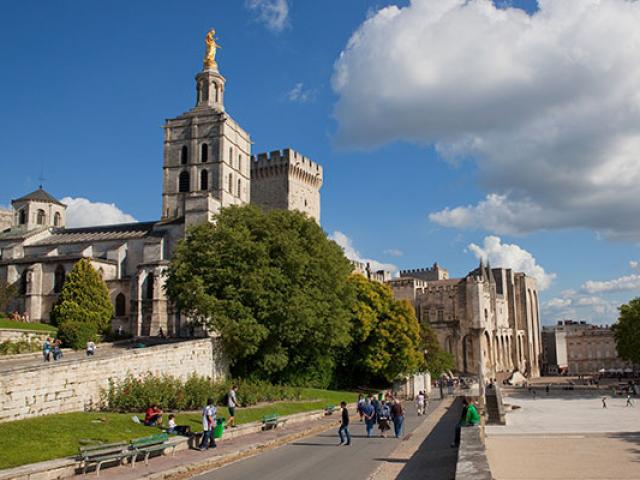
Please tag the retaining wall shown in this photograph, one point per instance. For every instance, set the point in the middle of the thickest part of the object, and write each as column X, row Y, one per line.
column 15, row 335
column 75, row 385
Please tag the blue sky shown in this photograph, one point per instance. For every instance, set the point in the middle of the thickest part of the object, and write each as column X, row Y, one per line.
column 414, row 125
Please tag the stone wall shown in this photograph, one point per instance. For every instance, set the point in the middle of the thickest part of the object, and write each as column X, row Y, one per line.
column 75, row 385
column 6, row 218
column 15, row 335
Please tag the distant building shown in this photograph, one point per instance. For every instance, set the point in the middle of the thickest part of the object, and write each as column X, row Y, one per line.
column 579, row 348
column 365, row 270
column 488, row 319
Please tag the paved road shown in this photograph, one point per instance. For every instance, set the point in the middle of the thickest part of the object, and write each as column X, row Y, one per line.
column 319, row 457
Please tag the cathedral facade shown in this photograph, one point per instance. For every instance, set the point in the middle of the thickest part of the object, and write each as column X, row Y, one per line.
column 207, row 165
column 488, row 320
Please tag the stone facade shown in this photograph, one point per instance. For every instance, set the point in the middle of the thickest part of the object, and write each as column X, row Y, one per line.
column 74, row 386
column 6, row 219
column 286, row 180
column 489, row 320
column 588, row 349
column 207, row 165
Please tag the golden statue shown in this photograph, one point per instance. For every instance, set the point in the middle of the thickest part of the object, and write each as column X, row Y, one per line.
column 210, row 55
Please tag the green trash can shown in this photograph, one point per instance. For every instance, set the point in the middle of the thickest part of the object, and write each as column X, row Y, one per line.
column 217, row 431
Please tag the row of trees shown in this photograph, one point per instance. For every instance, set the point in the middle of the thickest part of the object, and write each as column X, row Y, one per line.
column 288, row 308
column 627, row 332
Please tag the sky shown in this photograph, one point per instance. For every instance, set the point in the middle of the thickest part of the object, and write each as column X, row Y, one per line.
column 449, row 130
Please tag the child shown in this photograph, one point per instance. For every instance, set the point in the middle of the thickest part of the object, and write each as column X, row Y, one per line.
column 343, row 431
column 177, row 429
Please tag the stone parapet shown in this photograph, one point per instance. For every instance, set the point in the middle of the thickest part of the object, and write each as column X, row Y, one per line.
column 472, row 461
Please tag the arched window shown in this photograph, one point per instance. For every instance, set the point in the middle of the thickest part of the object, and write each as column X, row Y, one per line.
column 22, row 217
column 40, row 217
column 239, row 187
column 184, row 155
column 149, row 292
column 230, row 183
column 57, row 219
column 204, row 153
column 183, row 182
column 204, row 180
column 121, row 305
column 58, row 279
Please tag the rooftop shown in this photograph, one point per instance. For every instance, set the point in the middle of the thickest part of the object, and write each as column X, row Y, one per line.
column 39, row 195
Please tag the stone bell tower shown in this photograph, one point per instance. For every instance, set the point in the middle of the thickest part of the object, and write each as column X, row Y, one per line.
column 206, row 153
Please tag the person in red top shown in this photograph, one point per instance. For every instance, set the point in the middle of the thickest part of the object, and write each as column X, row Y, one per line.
column 153, row 416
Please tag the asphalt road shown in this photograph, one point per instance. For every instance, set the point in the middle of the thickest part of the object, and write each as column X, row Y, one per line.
column 319, row 457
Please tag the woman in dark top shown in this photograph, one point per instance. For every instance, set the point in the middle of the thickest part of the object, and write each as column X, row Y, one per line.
column 343, row 431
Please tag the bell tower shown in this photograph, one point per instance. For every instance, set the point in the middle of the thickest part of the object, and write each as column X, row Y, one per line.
column 206, row 153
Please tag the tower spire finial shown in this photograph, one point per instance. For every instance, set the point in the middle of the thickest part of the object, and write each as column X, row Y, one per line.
column 210, row 54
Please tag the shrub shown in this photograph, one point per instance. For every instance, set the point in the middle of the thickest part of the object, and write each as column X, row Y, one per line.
column 21, row 346
column 134, row 395
column 76, row 334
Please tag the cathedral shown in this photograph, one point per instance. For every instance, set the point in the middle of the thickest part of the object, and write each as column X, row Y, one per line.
column 488, row 320
column 207, row 165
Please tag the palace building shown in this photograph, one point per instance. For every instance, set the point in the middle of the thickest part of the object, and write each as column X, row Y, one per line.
column 207, row 165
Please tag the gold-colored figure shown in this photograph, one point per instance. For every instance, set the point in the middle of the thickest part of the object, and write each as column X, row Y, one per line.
column 210, row 55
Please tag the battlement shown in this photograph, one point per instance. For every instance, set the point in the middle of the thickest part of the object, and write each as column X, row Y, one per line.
column 286, row 161
column 436, row 272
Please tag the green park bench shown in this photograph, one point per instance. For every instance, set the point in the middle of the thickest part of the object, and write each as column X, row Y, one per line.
column 148, row 445
column 105, row 453
column 330, row 409
column 272, row 421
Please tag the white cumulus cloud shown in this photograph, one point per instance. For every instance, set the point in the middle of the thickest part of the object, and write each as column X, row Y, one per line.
column 352, row 254
column 274, row 14
column 634, row 265
column 512, row 256
column 85, row 213
column 547, row 105
column 558, row 303
column 620, row 284
column 299, row 94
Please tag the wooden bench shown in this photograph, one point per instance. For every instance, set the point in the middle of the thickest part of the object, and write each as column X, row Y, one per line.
column 148, row 445
column 272, row 421
column 105, row 453
column 330, row 410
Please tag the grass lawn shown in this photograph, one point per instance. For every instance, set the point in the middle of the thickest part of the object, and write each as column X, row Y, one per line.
column 54, row 436
column 6, row 323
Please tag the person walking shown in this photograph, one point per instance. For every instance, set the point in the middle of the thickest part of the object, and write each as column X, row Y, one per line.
column 57, row 350
column 343, row 431
column 604, row 402
column 420, row 399
column 232, row 403
column 208, row 424
column 397, row 414
column 46, row 349
column 360, row 406
column 91, row 348
column 369, row 414
column 384, row 418
column 629, row 402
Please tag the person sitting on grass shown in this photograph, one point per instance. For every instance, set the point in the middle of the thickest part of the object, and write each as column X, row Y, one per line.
column 153, row 416
column 470, row 417
column 177, row 429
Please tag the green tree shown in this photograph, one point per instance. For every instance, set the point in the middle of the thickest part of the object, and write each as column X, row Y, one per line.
column 436, row 360
column 275, row 288
column 627, row 331
column 84, row 300
column 386, row 336
column 8, row 292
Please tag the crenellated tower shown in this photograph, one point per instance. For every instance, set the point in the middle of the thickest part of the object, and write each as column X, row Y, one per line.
column 286, row 180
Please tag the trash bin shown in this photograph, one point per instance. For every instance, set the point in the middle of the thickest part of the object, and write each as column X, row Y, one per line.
column 217, row 431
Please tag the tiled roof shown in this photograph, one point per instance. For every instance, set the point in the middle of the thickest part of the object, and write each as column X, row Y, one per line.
column 19, row 233
column 39, row 195
column 123, row 231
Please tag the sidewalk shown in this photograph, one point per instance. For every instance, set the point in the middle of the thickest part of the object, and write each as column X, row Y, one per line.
column 186, row 463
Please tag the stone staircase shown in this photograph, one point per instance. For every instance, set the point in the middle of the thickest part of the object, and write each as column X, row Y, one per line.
column 494, row 406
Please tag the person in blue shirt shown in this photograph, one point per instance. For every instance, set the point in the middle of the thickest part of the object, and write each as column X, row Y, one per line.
column 369, row 413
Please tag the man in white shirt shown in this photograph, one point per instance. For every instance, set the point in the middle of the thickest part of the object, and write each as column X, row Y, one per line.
column 232, row 403
column 208, row 424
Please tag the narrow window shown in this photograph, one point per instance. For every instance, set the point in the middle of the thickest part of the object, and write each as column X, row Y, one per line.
column 40, row 217
column 24, row 280
column 23, row 217
column 57, row 219
column 441, row 315
column 231, row 156
column 204, row 153
column 183, row 183
column 239, row 187
column 121, row 305
column 240, row 163
column 149, row 291
column 58, row 279
column 184, row 155
column 231, row 183
column 204, row 180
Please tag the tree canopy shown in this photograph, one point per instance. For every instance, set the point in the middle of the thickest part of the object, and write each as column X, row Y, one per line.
column 385, row 336
column 275, row 288
column 83, row 307
column 627, row 331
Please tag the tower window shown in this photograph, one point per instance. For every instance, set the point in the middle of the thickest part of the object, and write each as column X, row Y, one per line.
column 204, row 180
column 121, row 305
column 40, row 217
column 58, row 279
column 183, row 182
column 239, row 187
column 22, row 218
column 57, row 219
column 184, row 155
column 204, row 153
column 230, row 183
